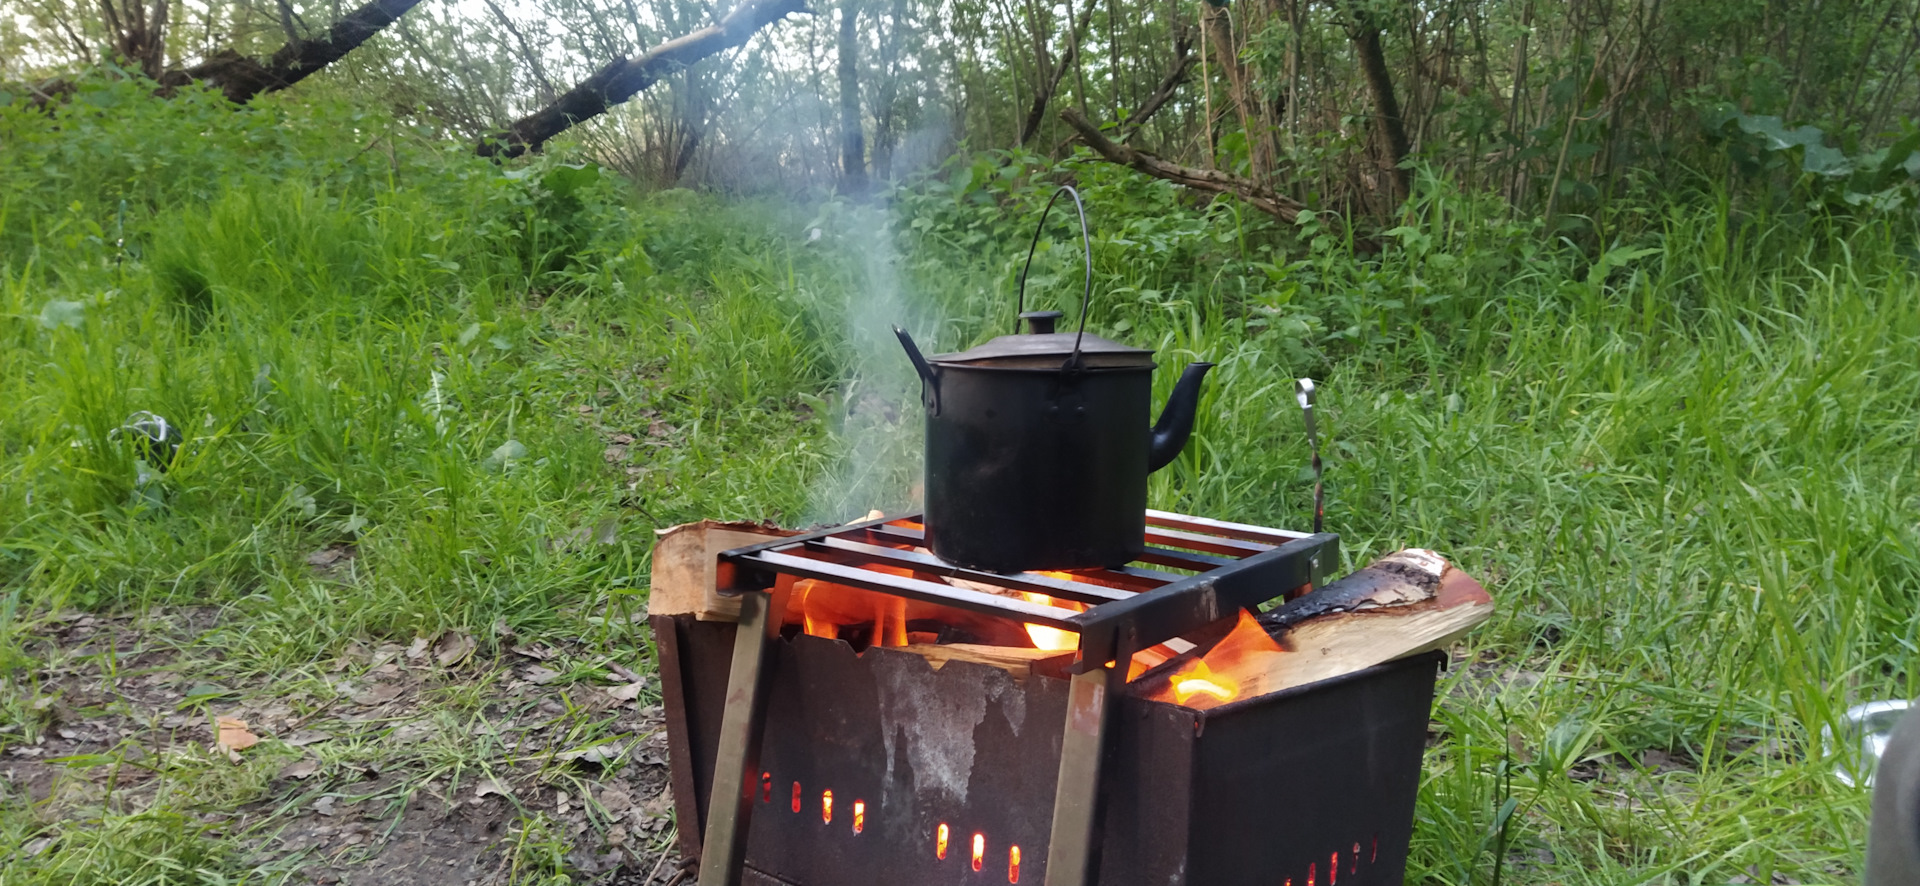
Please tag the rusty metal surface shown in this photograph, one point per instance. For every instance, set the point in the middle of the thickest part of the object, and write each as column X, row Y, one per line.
column 1248, row 793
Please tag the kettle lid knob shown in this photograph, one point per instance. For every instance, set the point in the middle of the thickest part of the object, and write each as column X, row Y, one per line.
column 1040, row 322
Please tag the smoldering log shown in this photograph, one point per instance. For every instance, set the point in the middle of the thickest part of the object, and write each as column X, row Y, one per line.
column 624, row 78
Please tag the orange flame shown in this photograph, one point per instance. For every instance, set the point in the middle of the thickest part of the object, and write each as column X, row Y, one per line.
column 940, row 845
column 1208, row 681
column 824, row 608
column 1198, row 679
column 1048, row 638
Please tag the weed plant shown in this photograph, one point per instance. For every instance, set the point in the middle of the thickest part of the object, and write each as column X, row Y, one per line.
column 1685, row 466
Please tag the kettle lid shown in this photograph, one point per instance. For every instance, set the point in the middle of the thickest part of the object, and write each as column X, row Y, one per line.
column 1042, row 348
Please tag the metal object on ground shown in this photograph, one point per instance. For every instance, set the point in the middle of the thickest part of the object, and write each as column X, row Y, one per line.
column 1129, row 608
column 1864, row 731
column 1037, row 445
column 1281, row 787
column 1303, row 392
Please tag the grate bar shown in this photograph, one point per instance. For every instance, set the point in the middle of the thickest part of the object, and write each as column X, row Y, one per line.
column 1243, row 531
column 1084, row 592
column 918, row 589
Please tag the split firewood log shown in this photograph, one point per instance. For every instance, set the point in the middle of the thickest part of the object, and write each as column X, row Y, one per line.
column 1403, row 604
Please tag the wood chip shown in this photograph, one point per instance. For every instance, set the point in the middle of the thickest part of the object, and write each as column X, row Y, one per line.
column 300, row 769
column 232, row 735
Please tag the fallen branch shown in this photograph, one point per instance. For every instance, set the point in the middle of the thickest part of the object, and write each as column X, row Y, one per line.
column 1183, row 47
column 1213, row 181
column 624, row 78
column 241, row 77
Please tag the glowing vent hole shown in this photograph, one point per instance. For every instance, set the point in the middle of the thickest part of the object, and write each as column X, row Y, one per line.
column 796, row 796
column 860, row 821
column 1312, row 869
column 1376, row 850
column 766, row 787
column 940, row 842
column 1013, row 864
column 1353, row 867
column 979, row 851
column 826, row 810
column 1333, row 868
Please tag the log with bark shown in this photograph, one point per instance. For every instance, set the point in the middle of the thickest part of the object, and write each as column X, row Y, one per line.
column 1405, row 603
column 624, row 78
column 1260, row 196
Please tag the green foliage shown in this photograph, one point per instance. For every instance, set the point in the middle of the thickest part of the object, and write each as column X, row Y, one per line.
column 1681, row 457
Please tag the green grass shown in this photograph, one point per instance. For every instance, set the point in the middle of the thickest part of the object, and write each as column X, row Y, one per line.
column 1688, row 471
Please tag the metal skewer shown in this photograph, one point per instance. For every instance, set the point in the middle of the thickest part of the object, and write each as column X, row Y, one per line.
column 1303, row 392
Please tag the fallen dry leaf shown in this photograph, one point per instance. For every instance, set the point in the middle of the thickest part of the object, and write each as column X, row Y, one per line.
column 615, row 801
column 418, row 647
column 534, row 651
column 308, row 736
column 232, row 735
column 490, row 787
column 600, row 754
column 299, row 769
column 453, row 648
column 378, row 693
column 542, row 676
column 628, row 692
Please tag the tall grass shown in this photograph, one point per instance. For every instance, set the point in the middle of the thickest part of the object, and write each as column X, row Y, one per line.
column 1686, row 466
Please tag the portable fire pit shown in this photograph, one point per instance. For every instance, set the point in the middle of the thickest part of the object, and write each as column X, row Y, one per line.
column 803, row 761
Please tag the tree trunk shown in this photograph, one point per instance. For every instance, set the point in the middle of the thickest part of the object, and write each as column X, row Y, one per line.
column 622, row 79
column 139, row 34
column 853, row 143
column 1226, row 54
column 1392, row 132
column 1050, row 83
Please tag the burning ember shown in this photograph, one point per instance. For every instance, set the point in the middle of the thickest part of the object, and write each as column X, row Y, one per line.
column 1207, row 681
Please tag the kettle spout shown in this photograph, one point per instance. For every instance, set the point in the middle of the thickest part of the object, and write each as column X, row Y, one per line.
column 1169, row 434
column 929, row 383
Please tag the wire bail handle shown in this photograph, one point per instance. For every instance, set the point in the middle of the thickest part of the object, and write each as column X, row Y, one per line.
column 1086, row 241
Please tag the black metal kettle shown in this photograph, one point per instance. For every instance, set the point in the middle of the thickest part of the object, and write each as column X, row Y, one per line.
column 1038, row 450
